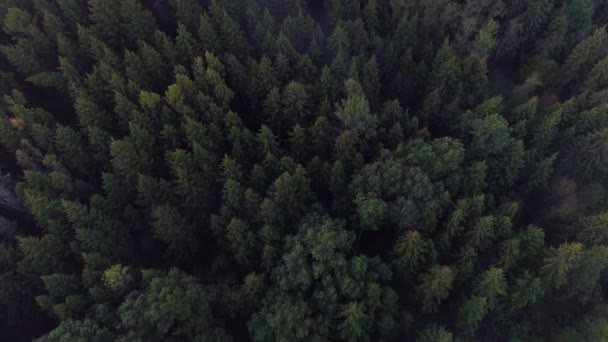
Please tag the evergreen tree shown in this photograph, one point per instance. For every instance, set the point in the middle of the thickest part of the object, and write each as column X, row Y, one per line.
column 587, row 156
column 584, row 55
column 435, row 286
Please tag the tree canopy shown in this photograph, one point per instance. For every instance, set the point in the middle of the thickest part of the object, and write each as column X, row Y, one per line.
column 290, row 170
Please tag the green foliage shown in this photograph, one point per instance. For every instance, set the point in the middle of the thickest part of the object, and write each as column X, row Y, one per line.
column 435, row 286
column 485, row 38
column 584, row 55
column 371, row 212
column 81, row 331
column 285, row 320
column 559, row 262
column 481, row 235
column 591, row 328
column 410, row 204
column 317, row 259
column 593, row 230
column 172, row 228
column 526, row 291
column 117, row 278
column 170, row 302
column 355, row 113
column 588, row 156
column 411, row 250
column 435, row 334
column 445, row 69
column 532, row 240
column 491, row 285
column 471, row 313
column 298, row 170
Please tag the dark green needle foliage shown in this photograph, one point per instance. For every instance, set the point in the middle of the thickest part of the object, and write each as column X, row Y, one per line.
column 250, row 170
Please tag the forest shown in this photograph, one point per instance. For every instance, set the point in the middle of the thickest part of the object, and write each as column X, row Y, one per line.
column 303, row 170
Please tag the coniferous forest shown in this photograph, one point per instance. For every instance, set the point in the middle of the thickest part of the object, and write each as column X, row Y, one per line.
column 299, row 170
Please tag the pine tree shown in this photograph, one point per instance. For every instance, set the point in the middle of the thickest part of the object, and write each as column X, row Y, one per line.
column 354, row 323
column 371, row 212
column 295, row 102
column 136, row 21
column 559, row 262
column 593, row 230
column 583, row 56
column 106, row 24
column 445, row 69
column 526, row 291
column 411, row 250
column 185, row 45
column 482, row 233
column 297, row 140
column 491, row 285
column 587, row 157
column 172, row 228
column 289, row 319
column 471, row 313
column 242, row 240
column 598, row 76
column 435, row 286
column 435, row 334
column 355, row 112
column 485, row 40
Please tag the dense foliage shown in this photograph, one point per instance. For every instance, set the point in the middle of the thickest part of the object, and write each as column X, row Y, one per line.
column 285, row 170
